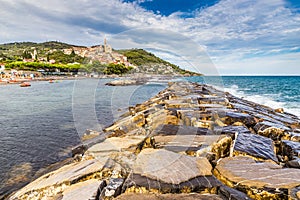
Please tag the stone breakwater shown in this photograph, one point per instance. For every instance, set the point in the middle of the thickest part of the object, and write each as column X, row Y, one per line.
column 190, row 141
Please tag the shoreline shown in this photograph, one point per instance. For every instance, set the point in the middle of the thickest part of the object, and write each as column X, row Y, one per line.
column 218, row 121
column 138, row 77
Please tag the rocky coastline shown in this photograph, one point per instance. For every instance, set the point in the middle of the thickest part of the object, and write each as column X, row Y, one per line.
column 190, row 141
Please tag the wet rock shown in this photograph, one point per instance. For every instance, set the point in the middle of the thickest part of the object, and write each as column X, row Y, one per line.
column 232, row 194
column 150, row 196
column 165, row 171
column 82, row 190
column 254, row 145
column 290, row 149
column 259, row 180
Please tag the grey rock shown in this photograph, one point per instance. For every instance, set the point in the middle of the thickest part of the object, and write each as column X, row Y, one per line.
column 100, row 189
column 261, row 180
column 290, row 149
column 232, row 117
column 114, row 187
column 231, row 130
column 232, row 194
column 150, row 196
column 254, row 145
column 170, row 172
column 53, row 182
column 168, row 129
column 294, row 163
column 82, row 190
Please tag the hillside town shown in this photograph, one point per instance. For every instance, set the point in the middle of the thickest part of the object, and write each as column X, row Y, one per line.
column 101, row 53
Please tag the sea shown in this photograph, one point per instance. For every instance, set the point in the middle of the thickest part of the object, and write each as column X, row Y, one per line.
column 40, row 124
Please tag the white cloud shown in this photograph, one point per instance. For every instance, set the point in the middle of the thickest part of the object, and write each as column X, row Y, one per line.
column 231, row 30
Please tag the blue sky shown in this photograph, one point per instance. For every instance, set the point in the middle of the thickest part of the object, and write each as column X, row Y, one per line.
column 219, row 36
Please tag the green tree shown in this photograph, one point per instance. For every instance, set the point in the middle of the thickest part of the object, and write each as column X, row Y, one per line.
column 26, row 55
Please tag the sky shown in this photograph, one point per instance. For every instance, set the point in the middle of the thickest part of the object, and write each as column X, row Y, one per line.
column 214, row 37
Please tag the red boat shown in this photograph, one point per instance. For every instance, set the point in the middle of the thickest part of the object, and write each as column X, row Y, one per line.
column 25, row 84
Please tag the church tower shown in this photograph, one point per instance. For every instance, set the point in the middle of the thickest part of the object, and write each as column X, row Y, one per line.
column 107, row 47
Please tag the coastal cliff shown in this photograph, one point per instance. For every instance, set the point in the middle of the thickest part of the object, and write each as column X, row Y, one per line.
column 190, row 141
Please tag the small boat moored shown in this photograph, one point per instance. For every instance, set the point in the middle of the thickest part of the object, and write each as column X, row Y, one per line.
column 25, row 84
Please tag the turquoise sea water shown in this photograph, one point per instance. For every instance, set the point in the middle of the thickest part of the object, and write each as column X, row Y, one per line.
column 273, row 91
column 40, row 124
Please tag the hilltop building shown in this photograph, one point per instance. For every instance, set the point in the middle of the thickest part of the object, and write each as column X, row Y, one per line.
column 103, row 53
column 107, row 47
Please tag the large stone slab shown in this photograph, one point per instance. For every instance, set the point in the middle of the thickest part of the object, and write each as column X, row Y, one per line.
column 56, row 181
column 128, row 123
column 260, row 180
column 254, row 145
column 168, row 197
column 82, row 190
column 185, row 143
column 165, row 171
column 168, row 129
column 232, row 117
column 114, row 144
column 170, row 167
column 213, row 100
column 231, row 130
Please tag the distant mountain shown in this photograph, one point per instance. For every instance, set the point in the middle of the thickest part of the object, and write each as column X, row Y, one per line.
column 92, row 59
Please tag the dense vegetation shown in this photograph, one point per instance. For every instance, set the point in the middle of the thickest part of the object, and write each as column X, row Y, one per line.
column 17, row 51
column 34, row 66
column 140, row 57
column 60, row 57
column 95, row 67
